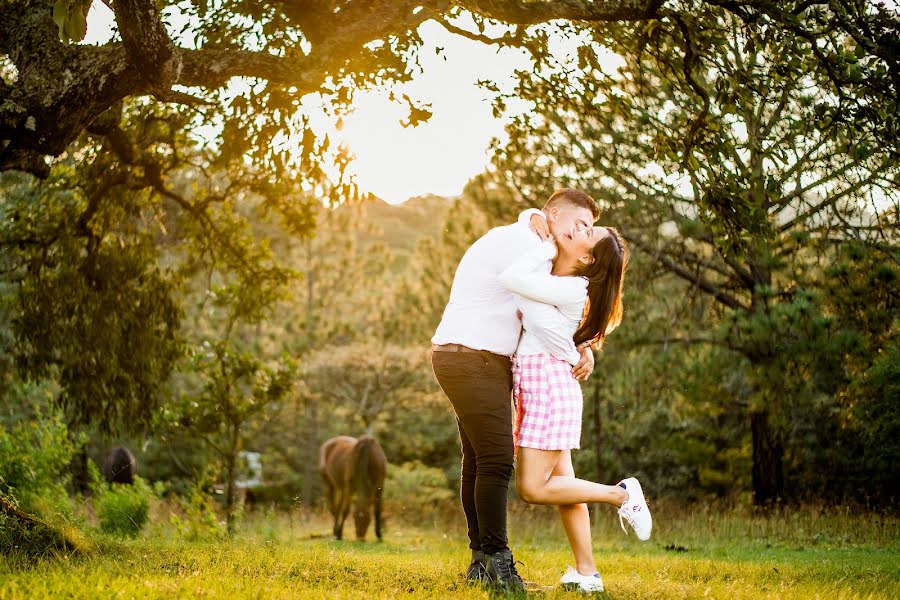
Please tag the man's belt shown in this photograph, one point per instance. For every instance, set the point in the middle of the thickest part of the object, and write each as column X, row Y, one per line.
column 453, row 348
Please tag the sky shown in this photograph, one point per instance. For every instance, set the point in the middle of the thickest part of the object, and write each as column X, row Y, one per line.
column 437, row 157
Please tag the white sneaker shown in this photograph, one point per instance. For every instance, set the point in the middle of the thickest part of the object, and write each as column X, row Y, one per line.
column 635, row 511
column 588, row 584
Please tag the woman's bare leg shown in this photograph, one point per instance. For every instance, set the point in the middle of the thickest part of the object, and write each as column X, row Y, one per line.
column 536, row 483
column 576, row 520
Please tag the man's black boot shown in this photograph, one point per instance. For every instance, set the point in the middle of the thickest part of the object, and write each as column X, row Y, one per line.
column 501, row 571
column 476, row 572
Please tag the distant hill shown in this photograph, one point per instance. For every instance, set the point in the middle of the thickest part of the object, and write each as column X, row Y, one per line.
column 400, row 226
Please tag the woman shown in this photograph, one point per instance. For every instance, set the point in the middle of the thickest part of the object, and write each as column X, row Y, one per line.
column 581, row 300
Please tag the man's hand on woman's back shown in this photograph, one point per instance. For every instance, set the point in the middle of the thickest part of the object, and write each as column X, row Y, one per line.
column 585, row 366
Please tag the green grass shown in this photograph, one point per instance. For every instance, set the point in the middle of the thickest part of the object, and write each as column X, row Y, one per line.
column 712, row 554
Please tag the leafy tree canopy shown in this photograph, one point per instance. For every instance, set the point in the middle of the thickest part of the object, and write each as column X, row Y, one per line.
column 53, row 90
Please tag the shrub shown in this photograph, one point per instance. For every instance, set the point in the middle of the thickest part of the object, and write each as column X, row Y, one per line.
column 123, row 509
column 283, row 494
column 417, row 489
column 35, row 510
column 200, row 520
column 34, row 457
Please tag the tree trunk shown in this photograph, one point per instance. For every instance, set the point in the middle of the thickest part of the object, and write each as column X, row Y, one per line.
column 311, row 449
column 768, row 456
column 310, row 465
column 79, row 469
column 231, row 467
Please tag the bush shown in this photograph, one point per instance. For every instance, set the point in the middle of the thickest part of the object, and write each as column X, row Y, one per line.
column 417, row 489
column 200, row 520
column 283, row 494
column 34, row 459
column 123, row 509
column 35, row 510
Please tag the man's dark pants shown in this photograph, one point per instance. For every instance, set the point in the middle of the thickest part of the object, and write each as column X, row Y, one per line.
column 479, row 385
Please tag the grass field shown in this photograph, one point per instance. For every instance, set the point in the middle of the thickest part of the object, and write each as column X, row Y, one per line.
column 700, row 553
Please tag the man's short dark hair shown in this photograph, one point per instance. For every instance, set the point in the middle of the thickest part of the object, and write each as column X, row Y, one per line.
column 573, row 198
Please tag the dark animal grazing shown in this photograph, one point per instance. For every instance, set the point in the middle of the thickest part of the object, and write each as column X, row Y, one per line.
column 353, row 469
column 121, row 466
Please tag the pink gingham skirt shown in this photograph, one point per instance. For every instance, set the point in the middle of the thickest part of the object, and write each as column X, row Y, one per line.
column 548, row 403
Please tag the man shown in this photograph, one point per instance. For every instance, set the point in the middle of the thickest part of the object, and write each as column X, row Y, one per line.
column 471, row 357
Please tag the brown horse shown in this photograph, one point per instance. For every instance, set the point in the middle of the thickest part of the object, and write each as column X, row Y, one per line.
column 352, row 469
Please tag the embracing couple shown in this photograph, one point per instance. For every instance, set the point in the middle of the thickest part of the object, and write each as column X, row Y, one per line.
column 528, row 303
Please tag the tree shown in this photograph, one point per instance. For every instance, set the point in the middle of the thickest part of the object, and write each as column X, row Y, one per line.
column 232, row 380
column 849, row 448
column 52, row 91
column 745, row 207
column 238, row 388
column 366, row 379
column 90, row 308
column 96, row 286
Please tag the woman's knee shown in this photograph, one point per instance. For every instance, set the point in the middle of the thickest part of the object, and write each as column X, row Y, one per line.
column 527, row 489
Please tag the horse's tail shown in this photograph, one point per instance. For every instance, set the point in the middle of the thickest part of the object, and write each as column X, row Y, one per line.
column 370, row 467
column 378, row 526
column 362, row 478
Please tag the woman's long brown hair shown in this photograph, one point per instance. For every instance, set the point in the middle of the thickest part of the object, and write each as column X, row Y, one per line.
column 605, row 275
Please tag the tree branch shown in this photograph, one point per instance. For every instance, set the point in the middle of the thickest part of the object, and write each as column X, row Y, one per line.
column 832, row 199
column 530, row 12
column 146, row 43
column 695, row 278
column 690, row 61
column 512, row 39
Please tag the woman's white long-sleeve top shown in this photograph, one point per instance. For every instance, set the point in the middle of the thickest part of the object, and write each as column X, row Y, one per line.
column 536, row 289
